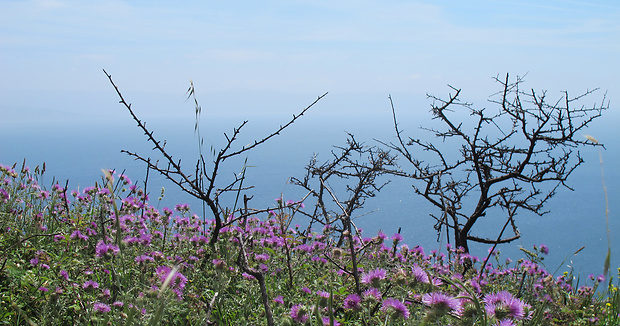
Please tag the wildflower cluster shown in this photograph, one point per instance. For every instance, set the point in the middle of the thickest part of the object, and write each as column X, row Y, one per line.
column 104, row 254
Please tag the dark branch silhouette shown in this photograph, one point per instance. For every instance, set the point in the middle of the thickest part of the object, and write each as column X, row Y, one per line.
column 511, row 158
column 202, row 184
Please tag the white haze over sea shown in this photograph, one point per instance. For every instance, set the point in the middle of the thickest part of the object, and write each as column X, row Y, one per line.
column 76, row 147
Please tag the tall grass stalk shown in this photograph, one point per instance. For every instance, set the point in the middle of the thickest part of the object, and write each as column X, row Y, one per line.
column 608, row 257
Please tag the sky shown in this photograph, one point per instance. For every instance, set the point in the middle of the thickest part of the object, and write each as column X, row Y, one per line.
column 249, row 58
column 275, row 56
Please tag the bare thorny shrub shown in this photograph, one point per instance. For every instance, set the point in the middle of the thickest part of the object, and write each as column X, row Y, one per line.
column 361, row 166
column 202, row 182
column 510, row 158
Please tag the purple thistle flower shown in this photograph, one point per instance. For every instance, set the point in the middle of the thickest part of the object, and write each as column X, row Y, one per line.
column 90, row 285
column 440, row 303
column 43, row 289
column 248, row 276
column 90, row 190
column 505, row 322
column 220, row 264
column 106, row 250
column 105, row 293
column 178, row 281
column 323, row 294
column 183, row 208
column 198, row 240
column 103, row 192
column 323, row 298
column 142, row 259
column 352, row 301
column 374, row 277
column 125, row 179
column 420, row 275
column 279, row 299
column 319, row 259
column 396, row 307
column 503, row 305
column 64, row 275
column 304, row 247
column 325, row 321
column 4, row 196
column 101, row 307
column 262, row 257
column 79, row 235
column 544, row 249
column 299, row 313
column 372, row 294
column 436, row 281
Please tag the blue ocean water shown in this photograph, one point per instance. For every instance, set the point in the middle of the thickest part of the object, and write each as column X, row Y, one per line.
column 76, row 149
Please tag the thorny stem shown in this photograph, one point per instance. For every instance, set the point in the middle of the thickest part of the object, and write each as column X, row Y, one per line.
column 175, row 174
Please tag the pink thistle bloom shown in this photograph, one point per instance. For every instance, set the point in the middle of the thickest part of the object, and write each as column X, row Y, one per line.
column 101, row 307
column 397, row 308
column 248, row 276
column 323, row 298
column 125, row 179
column 544, row 249
column 352, row 302
column 441, row 303
column 4, row 195
column 505, row 322
column 79, row 235
column 503, row 305
column 326, row 322
column 372, row 294
column 420, row 275
column 90, row 285
column 374, row 277
column 106, row 250
column 262, row 257
column 303, row 247
column 322, row 294
column 299, row 313
column 178, row 280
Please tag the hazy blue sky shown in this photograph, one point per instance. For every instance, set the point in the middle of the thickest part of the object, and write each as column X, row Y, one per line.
column 254, row 57
column 52, row 51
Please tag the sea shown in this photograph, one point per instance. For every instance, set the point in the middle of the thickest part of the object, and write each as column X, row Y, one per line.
column 76, row 147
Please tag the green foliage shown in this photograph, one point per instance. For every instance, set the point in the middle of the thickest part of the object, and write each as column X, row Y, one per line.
column 62, row 264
